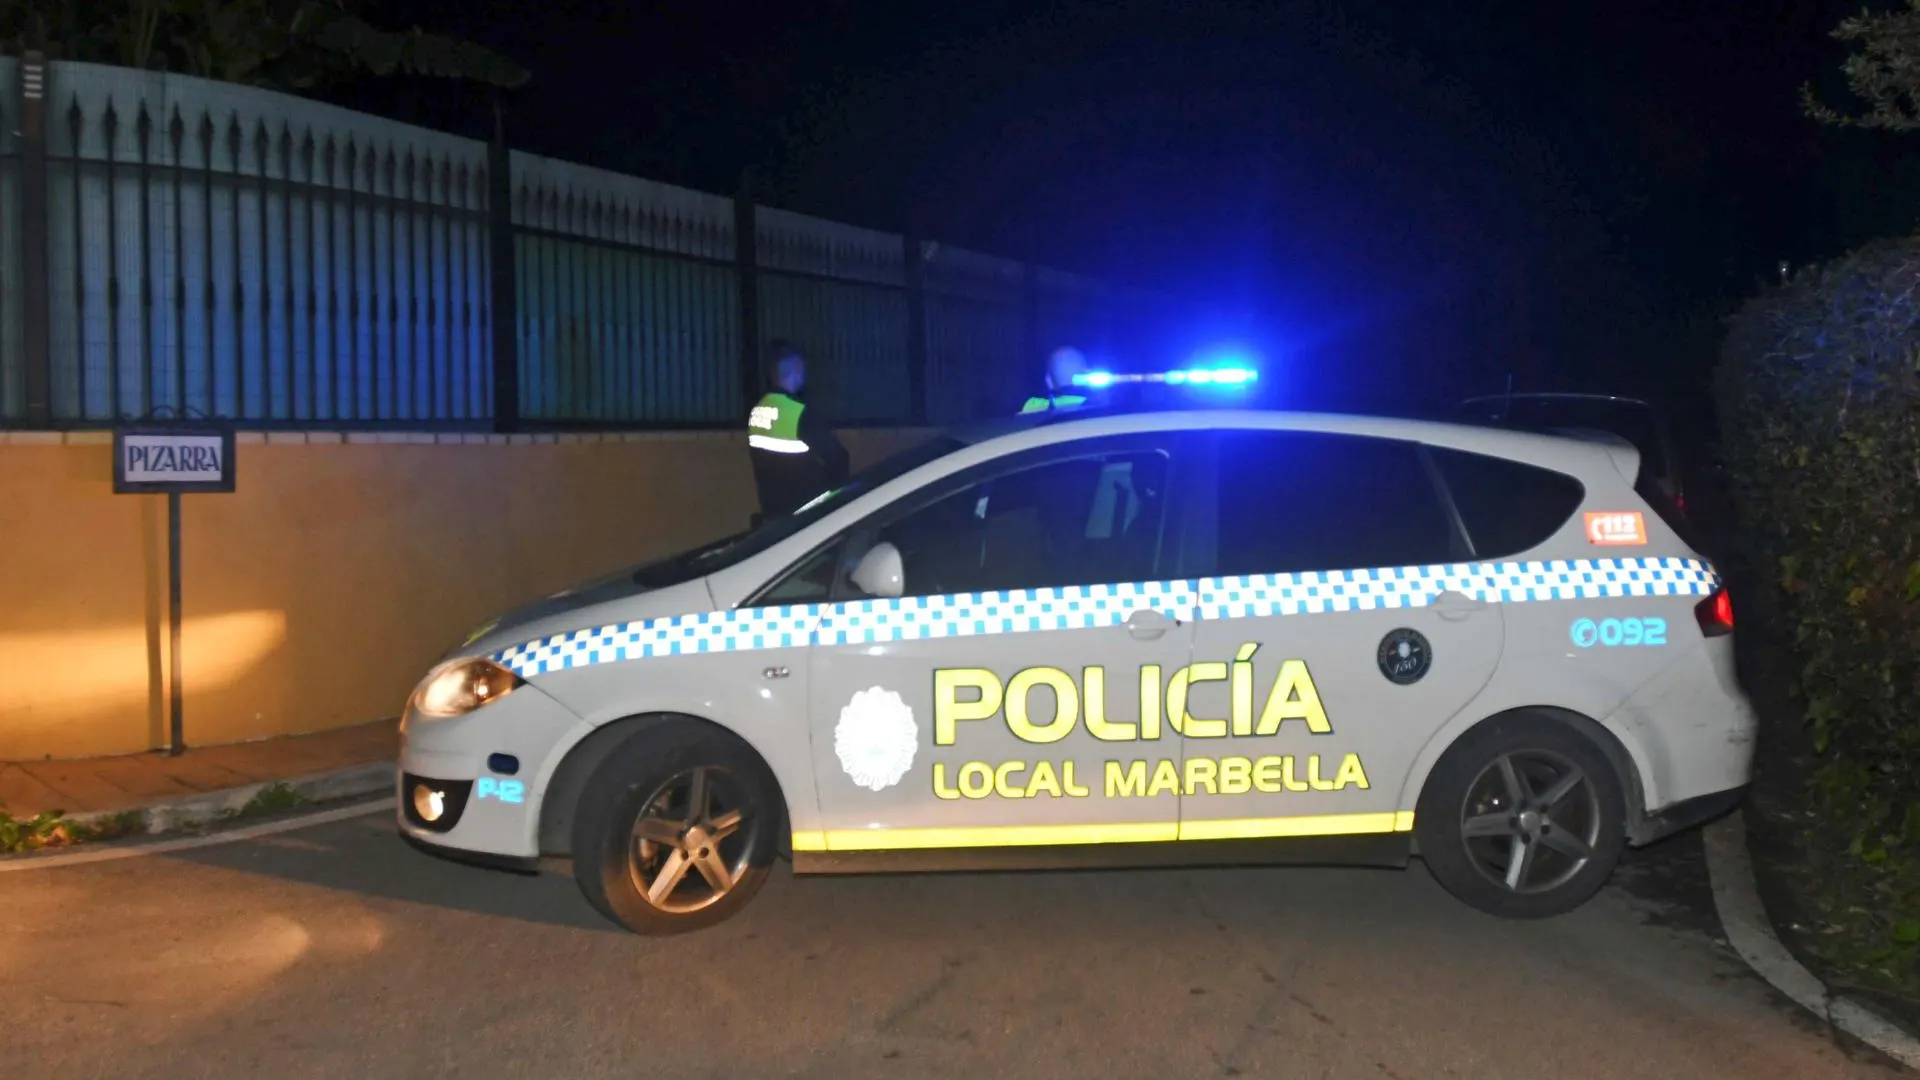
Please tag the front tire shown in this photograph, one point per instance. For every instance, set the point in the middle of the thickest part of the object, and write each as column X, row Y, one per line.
column 1524, row 818
column 677, row 829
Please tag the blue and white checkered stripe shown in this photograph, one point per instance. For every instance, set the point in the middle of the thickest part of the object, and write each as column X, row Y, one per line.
column 1017, row 611
column 679, row 635
column 1093, row 607
column 1318, row 593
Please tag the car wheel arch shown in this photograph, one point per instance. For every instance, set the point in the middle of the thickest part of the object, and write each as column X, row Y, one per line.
column 1626, row 764
column 559, row 806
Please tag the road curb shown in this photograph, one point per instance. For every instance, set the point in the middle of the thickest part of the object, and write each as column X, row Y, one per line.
column 87, row 854
column 189, row 811
column 1750, row 932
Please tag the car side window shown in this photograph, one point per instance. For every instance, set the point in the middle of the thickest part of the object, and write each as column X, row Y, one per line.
column 1086, row 520
column 1296, row 501
column 811, row 582
column 1506, row 506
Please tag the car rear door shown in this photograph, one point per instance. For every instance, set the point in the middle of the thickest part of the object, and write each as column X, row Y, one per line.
column 1334, row 636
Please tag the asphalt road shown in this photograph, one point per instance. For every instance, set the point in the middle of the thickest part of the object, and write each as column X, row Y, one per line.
column 336, row 951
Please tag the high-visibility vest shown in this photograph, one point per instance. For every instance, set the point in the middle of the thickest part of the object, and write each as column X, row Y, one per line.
column 1062, row 401
column 774, row 425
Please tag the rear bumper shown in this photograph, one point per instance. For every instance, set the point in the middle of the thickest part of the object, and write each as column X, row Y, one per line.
column 1685, row 815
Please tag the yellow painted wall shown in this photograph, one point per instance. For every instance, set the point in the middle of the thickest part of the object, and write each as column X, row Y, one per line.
column 316, row 594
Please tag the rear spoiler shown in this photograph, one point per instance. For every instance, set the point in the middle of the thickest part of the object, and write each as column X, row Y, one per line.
column 1547, row 395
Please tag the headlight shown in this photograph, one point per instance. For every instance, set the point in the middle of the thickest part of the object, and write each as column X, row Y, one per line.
column 458, row 687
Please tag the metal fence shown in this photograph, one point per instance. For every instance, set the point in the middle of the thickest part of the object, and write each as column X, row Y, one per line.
column 628, row 305
column 175, row 245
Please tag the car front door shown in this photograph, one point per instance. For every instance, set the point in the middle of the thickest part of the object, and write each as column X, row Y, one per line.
column 1332, row 639
column 998, row 699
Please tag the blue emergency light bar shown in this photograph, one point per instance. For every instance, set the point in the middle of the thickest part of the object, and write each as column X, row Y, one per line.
column 1212, row 376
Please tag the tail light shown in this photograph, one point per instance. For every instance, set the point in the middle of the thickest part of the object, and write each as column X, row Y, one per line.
column 1715, row 614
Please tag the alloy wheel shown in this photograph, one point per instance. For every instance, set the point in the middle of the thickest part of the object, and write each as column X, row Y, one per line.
column 691, row 841
column 1530, row 821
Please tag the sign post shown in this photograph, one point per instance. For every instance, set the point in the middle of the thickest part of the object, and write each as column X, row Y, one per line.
column 173, row 460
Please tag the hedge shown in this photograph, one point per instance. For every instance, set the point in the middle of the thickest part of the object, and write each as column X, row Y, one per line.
column 1818, row 388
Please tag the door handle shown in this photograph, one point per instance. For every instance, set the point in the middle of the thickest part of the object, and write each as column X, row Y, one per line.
column 1147, row 624
column 1454, row 606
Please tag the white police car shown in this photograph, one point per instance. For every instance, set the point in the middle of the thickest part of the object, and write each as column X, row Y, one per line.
column 1201, row 637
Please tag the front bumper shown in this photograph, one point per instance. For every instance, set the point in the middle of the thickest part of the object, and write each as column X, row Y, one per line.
column 488, row 771
column 518, row 864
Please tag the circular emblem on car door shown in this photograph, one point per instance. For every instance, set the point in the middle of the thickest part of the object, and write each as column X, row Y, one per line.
column 876, row 738
column 1405, row 656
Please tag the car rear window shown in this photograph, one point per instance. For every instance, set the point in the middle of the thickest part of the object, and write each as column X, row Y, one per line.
column 1663, row 505
column 1296, row 501
column 1506, row 506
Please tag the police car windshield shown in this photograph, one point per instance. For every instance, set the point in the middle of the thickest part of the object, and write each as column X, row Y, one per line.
column 717, row 556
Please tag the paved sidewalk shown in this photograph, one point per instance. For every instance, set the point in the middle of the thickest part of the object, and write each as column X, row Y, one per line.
column 136, row 781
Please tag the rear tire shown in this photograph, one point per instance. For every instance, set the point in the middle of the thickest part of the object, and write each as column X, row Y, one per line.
column 1523, row 817
column 676, row 829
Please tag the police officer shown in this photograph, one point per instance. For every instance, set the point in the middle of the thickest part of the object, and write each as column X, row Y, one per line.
column 1061, row 394
column 795, row 454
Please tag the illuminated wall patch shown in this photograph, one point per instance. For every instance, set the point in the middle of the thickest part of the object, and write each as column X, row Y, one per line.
column 1613, row 633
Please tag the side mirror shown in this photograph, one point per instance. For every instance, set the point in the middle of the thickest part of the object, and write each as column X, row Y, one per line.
column 880, row 571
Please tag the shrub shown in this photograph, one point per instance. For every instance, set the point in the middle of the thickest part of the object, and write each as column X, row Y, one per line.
column 1817, row 392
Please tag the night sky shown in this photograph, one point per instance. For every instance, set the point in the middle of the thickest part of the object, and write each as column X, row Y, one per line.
column 1416, row 194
